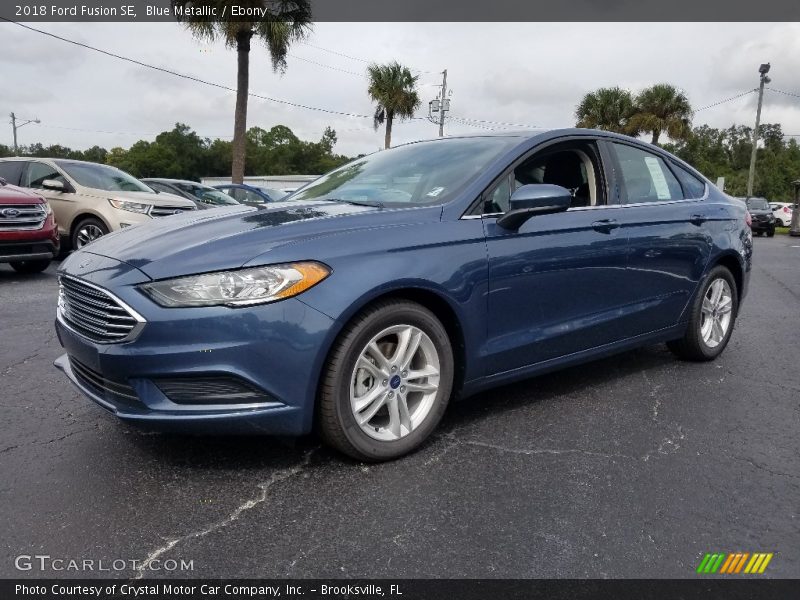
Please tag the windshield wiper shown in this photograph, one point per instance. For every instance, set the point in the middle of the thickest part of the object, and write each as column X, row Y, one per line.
column 357, row 202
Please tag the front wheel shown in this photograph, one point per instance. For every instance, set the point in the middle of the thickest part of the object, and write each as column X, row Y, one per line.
column 387, row 382
column 771, row 232
column 712, row 317
column 87, row 231
column 30, row 266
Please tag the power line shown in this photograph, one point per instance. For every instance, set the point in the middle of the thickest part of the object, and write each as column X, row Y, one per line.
column 748, row 92
column 184, row 76
column 331, row 67
column 784, row 93
column 363, row 60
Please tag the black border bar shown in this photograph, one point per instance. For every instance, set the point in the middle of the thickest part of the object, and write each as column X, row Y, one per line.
column 532, row 11
column 711, row 588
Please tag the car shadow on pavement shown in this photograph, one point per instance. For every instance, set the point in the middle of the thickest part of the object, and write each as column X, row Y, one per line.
column 252, row 452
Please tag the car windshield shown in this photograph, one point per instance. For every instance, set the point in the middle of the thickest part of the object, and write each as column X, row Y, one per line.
column 102, row 177
column 757, row 204
column 206, row 194
column 416, row 174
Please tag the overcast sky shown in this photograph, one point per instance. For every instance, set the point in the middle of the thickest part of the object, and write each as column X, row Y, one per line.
column 530, row 74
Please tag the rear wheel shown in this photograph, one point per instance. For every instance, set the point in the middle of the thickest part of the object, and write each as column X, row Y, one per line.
column 779, row 222
column 771, row 232
column 86, row 231
column 30, row 266
column 387, row 382
column 713, row 315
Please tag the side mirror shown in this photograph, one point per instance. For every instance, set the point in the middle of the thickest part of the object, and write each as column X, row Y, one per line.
column 534, row 199
column 52, row 184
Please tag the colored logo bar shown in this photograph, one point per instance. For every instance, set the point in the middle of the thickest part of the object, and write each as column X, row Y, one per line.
column 737, row 562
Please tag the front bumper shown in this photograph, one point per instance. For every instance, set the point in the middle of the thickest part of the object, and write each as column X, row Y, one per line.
column 276, row 349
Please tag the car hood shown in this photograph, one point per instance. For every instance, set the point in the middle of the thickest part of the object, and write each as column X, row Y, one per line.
column 11, row 194
column 759, row 211
column 228, row 237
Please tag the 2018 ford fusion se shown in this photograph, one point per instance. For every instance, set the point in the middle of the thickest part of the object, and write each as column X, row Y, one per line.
column 370, row 297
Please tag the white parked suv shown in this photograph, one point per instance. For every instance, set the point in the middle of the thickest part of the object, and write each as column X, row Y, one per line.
column 782, row 212
column 90, row 199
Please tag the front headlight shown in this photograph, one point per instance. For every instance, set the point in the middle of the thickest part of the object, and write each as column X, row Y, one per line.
column 137, row 207
column 242, row 287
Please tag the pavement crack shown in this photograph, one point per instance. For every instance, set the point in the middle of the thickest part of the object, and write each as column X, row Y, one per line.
column 554, row 451
column 261, row 497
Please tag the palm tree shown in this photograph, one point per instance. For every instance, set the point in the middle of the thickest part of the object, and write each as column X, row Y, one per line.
column 662, row 108
column 393, row 88
column 606, row 108
column 285, row 23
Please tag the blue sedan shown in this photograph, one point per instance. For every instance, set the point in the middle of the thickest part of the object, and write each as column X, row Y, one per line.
column 367, row 300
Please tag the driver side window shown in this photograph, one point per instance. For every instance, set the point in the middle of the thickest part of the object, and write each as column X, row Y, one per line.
column 572, row 166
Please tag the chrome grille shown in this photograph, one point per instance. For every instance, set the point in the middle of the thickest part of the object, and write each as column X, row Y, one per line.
column 22, row 217
column 165, row 211
column 94, row 313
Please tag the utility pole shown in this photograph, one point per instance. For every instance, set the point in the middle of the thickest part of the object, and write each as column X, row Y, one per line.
column 763, row 70
column 445, row 104
column 14, row 127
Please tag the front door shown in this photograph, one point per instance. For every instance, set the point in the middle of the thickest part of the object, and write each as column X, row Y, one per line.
column 559, row 284
column 64, row 204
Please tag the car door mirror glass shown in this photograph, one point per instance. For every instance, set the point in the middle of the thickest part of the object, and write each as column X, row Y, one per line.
column 534, row 199
column 52, row 184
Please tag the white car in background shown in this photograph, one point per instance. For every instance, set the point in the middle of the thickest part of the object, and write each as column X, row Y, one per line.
column 782, row 212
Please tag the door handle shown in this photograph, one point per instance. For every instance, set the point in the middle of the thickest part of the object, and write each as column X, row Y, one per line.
column 605, row 225
column 698, row 219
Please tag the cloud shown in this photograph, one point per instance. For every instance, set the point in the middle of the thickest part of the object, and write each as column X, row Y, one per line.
column 525, row 73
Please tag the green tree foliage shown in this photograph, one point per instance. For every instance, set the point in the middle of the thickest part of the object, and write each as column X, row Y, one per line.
column 661, row 108
column 606, row 108
column 394, row 90
column 726, row 153
column 284, row 22
column 182, row 154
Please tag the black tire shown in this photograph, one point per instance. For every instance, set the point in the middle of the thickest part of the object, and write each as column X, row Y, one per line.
column 30, row 266
column 87, row 222
column 779, row 223
column 336, row 421
column 691, row 346
column 771, row 232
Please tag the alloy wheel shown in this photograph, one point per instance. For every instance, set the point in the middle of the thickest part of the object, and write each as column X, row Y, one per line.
column 716, row 313
column 394, row 382
column 87, row 233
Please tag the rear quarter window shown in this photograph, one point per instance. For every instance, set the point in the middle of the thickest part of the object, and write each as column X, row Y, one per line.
column 692, row 186
column 11, row 171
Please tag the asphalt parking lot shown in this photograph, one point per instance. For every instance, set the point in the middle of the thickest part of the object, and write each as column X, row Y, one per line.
column 633, row 466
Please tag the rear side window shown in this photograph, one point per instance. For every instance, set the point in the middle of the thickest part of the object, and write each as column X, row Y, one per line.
column 646, row 176
column 692, row 186
column 11, row 171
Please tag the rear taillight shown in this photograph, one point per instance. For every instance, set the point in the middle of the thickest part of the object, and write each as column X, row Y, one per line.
column 786, row 209
column 748, row 219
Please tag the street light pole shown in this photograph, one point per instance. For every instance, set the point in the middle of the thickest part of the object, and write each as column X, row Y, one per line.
column 445, row 103
column 763, row 70
column 14, row 127
column 795, row 227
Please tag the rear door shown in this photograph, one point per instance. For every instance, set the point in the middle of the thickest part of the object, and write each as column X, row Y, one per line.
column 666, row 220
